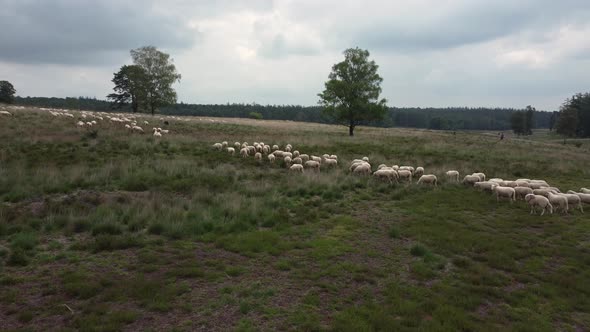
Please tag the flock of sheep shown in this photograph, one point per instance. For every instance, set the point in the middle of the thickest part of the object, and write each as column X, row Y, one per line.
column 129, row 121
column 537, row 193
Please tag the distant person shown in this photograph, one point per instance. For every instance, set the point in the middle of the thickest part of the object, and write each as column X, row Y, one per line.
column 501, row 136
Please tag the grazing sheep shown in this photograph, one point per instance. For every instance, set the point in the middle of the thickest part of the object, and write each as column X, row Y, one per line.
column 521, row 192
column 326, row 156
column 407, row 168
column 557, row 200
column 511, row 184
column 405, row 174
column 217, row 146
column 271, row 157
column 536, row 185
column 542, row 192
column 395, row 167
column 498, row 180
column 157, row 133
column 419, row 171
column 504, row 192
column 362, row 169
column 275, row 147
column 146, row 123
column 366, row 159
column 452, row 175
column 471, row 179
column 552, row 189
column 80, row 124
column 288, row 149
column 521, row 183
column 540, row 201
column 334, row 157
column 427, row 179
column 237, row 145
column 381, row 166
column 316, row 158
column 287, row 154
column 585, row 191
column 296, row 168
column 231, row 151
column 258, row 156
column 482, row 177
column 287, row 161
column 251, row 149
column 485, row 185
column 304, row 157
column 295, row 153
column 330, row 162
column 313, row 165
column 297, row 160
column 278, row 153
column 5, row 113
column 137, row 128
column 266, row 149
column 357, row 164
column 244, row 152
column 384, row 174
column 573, row 200
column 584, row 197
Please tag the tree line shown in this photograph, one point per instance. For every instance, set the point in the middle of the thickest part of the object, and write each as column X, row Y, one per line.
column 450, row 118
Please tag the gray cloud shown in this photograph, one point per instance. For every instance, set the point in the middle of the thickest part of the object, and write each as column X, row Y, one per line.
column 85, row 31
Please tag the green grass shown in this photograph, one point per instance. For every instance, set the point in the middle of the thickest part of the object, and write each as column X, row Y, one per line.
column 123, row 228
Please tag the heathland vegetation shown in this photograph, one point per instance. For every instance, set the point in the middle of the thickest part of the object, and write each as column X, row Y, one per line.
column 103, row 228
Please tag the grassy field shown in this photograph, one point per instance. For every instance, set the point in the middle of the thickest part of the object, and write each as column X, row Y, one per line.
column 106, row 230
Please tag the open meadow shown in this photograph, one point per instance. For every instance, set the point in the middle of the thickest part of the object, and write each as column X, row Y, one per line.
column 107, row 229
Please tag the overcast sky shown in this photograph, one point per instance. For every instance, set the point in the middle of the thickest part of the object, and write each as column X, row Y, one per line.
column 506, row 53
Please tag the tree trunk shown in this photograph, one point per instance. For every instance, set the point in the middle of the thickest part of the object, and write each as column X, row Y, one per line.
column 351, row 130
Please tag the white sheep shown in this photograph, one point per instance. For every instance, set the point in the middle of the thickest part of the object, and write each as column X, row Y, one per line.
column 504, row 192
column 585, row 191
column 224, row 144
column 251, row 149
column 5, row 113
column 287, row 154
column 405, row 174
column 485, row 185
column 313, row 165
column 296, row 168
column 295, row 153
column 557, row 200
column 471, row 179
column 297, row 160
column 537, row 185
column 521, row 183
column 362, row 169
column 419, row 171
column 157, row 133
column 366, row 159
column 381, row 166
column 275, row 147
column 452, row 175
column 237, row 145
column 287, row 161
column 80, row 124
column 541, row 191
column 217, row 146
column 315, row 158
column 573, row 200
column 231, row 151
column 258, row 156
column 244, row 152
column 540, row 201
column 355, row 164
column 385, row 174
column 266, row 149
column 304, row 157
column 521, row 192
column 427, row 179
column 330, row 162
column 146, row 123
column 584, row 197
column 271, row 157
column 333, row 156
column 482, row 176
column 395, row 167
column 137, row 128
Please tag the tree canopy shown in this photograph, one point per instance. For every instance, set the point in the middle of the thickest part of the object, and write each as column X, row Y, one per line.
column 7, row 92
column 351, row 94
column 159, row 75
column 574, row 116
column 129, row 87
column 522, row 122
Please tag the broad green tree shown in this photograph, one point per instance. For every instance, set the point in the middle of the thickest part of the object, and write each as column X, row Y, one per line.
column 7, row 92
column 351, row 94
column 129, row 87
column 567, row 123
column 160, row 74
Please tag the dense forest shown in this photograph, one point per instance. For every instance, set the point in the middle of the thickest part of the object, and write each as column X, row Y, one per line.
column 451, row 118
